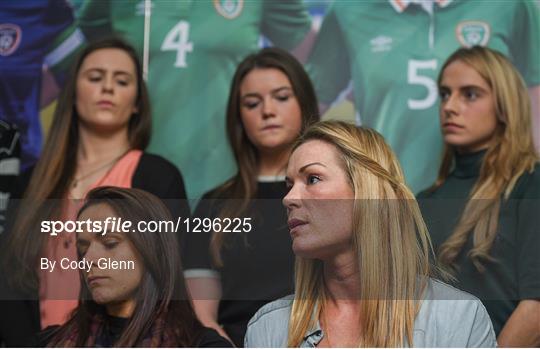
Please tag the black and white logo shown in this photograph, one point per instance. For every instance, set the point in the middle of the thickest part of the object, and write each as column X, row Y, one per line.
column 10, row 38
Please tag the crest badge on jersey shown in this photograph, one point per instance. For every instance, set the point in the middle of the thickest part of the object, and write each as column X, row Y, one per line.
column 229, row 9
column 473, row 33
column 10, row 38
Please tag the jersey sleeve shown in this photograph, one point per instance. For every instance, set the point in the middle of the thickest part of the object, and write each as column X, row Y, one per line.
column 529, row 240
column 197, row 260
column 95, row 19
column 162, row 179
column 68, row 40
column 285, row 23
column 525, row 47
column 328, row 64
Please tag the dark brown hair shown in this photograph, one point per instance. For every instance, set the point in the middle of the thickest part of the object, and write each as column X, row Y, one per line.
column 162, row 291
column 57, row 165
column 243, row 185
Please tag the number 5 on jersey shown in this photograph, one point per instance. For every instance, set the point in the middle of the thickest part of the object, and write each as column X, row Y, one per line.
column 414, row 77
column 177, row 39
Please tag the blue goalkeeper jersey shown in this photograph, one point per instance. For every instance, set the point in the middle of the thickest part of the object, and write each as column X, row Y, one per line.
column 32, row 33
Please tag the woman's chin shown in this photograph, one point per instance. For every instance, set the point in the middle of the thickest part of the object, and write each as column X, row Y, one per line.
column 303, row 251
column 101, row 298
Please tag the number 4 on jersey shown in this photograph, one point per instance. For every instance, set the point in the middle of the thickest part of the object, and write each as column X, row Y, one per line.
column 177, row 39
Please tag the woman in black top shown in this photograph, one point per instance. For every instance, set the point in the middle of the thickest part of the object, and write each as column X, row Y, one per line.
column 482, row 212
column 233, row 273
column 100, row 130
column 145, row 302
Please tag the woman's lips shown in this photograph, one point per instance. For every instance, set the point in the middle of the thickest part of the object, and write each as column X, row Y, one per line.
column 450, row 126
column 95, row 280
column 105, row 104
column 295, row 223
column 271, row 127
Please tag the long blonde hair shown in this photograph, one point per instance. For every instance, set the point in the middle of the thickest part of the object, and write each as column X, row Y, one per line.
column 389, row 236
column 510, row 154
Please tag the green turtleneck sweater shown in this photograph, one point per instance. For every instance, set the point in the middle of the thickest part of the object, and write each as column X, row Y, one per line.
column 515, row 273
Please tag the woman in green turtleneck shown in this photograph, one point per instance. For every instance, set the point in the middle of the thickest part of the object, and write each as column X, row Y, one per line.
column 483, row 212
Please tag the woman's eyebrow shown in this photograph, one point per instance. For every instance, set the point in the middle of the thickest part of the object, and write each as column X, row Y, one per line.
column 282, row 88
column 468, row 87
column 278, row 89
column 101, row 70
column 250, row 94
column 117, row 234
column 303, row 168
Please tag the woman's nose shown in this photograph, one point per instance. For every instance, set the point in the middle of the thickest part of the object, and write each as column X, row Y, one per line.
column 269, row 109
column 92, row 253
column 292, row 199
column 108, row 85
column 450, row 105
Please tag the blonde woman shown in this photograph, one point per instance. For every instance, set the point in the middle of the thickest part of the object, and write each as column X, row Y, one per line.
column 361, row 246
column 483, row 208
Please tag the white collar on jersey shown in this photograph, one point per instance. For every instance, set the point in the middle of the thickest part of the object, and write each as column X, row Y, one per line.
column 270, row 179
column 401, row 5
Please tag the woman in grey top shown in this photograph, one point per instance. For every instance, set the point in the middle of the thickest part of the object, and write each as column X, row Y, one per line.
column 362, row 256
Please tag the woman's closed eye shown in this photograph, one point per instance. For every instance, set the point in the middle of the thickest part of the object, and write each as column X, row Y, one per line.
column 122, row 82
column 250, row 104
column 95, row 77
column 110, row 243
column 283, row 97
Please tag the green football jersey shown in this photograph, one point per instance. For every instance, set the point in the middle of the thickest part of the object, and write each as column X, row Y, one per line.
column 194, row 47
column 393, row 50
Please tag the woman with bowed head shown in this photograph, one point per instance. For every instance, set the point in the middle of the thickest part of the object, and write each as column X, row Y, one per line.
column 144, row 303
column 362, row 250
column 483, row 208
column 233, row 272
column 100, row 130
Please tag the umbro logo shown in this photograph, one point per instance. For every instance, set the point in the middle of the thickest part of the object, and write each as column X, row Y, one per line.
column 381, row 43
